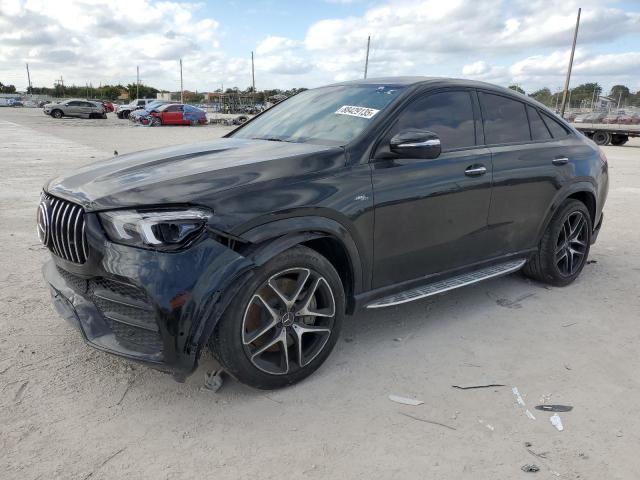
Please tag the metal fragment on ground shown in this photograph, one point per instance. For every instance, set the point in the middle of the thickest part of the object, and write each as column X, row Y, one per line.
column 554, row 408
column 471, row 387
column 405, row 400
column 213, row 381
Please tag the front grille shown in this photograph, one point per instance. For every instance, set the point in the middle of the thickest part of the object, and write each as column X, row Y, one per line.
column 61, row 227
column 125, row 308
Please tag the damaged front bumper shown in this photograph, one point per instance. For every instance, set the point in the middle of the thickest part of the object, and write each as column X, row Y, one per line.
column 154, row 307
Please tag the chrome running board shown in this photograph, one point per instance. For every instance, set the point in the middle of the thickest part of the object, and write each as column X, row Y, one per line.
column 449, row 284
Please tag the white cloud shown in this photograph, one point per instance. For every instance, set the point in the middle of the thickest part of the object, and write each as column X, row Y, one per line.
column 521, row 41
column 273, row 44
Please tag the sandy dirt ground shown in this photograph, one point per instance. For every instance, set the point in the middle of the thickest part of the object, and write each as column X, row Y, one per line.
column 70, row 412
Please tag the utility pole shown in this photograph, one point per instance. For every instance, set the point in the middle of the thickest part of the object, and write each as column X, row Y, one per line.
column 137, row 81
column 181, row 89
column 366, row 61
column 593, row 98
column 573, row 50
column 29, row 78
column 619, row 98
column 569, row 100
column 253, row 75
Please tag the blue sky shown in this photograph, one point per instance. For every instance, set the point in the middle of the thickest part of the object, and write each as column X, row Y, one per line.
column 314, row 42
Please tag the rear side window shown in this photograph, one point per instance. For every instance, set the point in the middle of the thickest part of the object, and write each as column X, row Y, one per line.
column 555, row 127
column 447, row 114
column 539, row 130
column 504, row 119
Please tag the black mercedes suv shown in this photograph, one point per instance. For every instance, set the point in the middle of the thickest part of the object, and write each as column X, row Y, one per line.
column 362, row 194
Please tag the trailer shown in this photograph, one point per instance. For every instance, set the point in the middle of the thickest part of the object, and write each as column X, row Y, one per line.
column 605, row 134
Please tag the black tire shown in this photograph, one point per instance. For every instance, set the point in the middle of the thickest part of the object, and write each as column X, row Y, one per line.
column 547, row 265
column 619, row 140
column 235, row 346
column 601, row 138
column 56, row 113
column 125, row 114
column 119, row 115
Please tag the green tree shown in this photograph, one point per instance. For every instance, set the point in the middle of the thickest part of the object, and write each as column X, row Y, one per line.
column 620, row 92
column 7, row 88
column 543, row 96
column 141, row 91
column 584, row 94
column 517, row 88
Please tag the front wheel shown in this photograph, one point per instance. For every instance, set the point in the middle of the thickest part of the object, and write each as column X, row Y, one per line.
column 284, row 323
column 56, row 114
column 564, row 247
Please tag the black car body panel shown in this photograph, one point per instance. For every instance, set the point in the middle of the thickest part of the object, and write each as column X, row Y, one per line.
column 388, row 221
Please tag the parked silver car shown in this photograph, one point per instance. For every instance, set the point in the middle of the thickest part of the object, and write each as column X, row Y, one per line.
column 75, row 108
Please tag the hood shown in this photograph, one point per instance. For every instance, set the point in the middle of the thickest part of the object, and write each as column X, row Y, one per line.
column 190, row 174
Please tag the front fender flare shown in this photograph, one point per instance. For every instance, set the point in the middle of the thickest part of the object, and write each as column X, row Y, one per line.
column 291, row 231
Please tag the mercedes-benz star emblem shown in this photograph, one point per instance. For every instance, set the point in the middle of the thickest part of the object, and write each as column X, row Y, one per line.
column 42, row 218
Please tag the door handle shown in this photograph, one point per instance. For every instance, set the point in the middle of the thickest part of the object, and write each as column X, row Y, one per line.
column 560, row 161
column 475, row 170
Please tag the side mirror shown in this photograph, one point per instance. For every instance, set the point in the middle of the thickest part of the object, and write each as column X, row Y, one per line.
column 414, row 143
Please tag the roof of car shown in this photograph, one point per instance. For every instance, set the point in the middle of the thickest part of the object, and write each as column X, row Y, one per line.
column 438, row 82
column 408, row 81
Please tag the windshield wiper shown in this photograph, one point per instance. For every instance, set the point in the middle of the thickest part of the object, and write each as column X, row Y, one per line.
column 272, row 139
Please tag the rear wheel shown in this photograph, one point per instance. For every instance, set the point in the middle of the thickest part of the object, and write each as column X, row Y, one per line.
column 564, row 247
column 601, row 138
column 284, row 323
column 619, row 140
column 125, row 114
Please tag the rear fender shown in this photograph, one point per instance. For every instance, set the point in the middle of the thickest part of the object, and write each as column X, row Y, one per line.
column 559, row 199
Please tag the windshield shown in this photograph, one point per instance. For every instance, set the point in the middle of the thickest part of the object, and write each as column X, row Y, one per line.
column 328, row 115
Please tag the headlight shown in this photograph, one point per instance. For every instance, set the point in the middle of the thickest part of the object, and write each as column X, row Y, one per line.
column 166, row 229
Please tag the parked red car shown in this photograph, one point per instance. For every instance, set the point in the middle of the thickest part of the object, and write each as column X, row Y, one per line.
column 629, row 119
column 108, row 106
column 611, row 118
column 177, row 114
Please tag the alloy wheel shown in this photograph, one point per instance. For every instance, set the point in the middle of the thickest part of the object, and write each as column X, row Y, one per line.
column 571, row 245
column 288, row 321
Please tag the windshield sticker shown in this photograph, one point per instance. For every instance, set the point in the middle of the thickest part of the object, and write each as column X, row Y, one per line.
column 361, row 112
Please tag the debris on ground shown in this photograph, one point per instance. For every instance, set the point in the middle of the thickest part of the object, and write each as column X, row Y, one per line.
column 428, row 421
column 554, row 408
column 490, row 427
column 213, row 380
column 556, row 422
column 569, row 325
column 529, row 414
column 530, row 467
column 405, row 400
column 519, row 399
column 471, row 387
column 539, row 455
